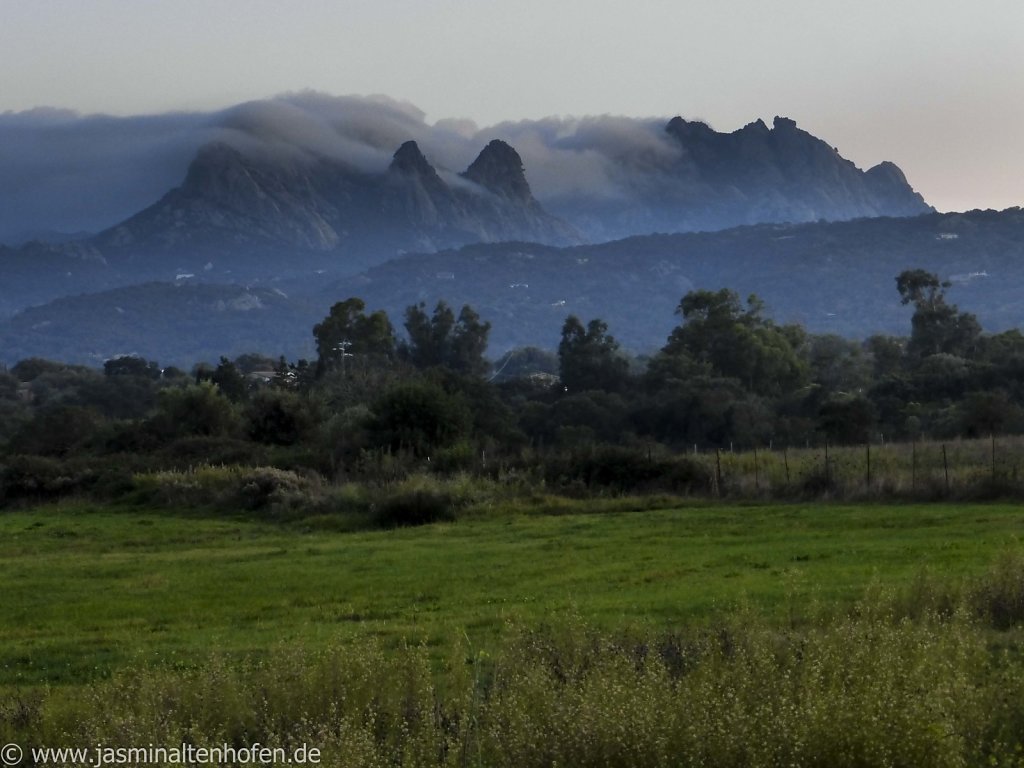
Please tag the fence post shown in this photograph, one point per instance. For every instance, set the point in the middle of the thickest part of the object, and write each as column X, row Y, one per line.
column 945, row 467
column 867, row 448
column 718, row 472
column 913, row 463
column 757, row 481
column 993, row 460
column 828, row 470
column 785, row 461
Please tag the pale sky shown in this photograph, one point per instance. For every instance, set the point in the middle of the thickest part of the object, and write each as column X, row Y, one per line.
column 936, row 86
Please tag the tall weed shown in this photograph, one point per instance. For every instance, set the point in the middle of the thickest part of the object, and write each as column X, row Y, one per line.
column 865, row 689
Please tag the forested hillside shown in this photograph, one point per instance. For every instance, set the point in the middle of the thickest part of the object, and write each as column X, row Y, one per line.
column 374, row 406
column 828, row 277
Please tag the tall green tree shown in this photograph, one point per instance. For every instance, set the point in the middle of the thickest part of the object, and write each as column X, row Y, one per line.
column 278, row 417
column 937, row 326
column 420, row 417
column 56, row 430
column 441, row 339
column 429, row 335
column 131, row 365
column 847, row 419
column 230, row 381
column 589, row 357
column 886, row 353
column 469, row 343
column 197, row 410
column 349, row 331
column 738, row 342
column 986, row 413
column 838, row 365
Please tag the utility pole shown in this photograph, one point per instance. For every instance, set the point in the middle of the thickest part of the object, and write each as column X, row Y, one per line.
column 342, row 349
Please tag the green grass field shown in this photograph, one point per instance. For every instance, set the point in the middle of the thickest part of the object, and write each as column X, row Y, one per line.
column 86, row 590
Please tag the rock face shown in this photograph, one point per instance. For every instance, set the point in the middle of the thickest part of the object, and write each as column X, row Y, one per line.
column 264, row 203
column 247, row 215
column 499, row 169
column 753, row 175
column 495, row 205
column 229, row 199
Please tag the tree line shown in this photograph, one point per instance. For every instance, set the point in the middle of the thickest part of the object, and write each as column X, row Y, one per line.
column 727, row 375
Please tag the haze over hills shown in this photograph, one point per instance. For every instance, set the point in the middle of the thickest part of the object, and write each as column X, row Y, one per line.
column 831, row 277
column 65, row 173
column 836, row 277
column 262, row 215
column 279, row 205
column 266, row 202
column 290, row 203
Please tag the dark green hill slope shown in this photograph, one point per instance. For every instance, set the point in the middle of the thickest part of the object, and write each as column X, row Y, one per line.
column 830, row 277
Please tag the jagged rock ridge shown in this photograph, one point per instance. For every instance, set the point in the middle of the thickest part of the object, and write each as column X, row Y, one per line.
column 290, row 216
column 264, row 216
column 231, row 199
column 753, row 175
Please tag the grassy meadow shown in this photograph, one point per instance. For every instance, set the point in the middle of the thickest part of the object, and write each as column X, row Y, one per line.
column 608, row 633
column 88, row 589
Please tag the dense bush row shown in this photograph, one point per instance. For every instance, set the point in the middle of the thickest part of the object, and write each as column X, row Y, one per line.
column 377, row 409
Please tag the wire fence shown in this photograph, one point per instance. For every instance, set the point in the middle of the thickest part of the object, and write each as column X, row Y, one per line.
column 993, row 466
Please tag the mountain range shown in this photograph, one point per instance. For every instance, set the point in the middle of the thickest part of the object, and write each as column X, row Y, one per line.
column 754, row 175
column 276, row 204
column 257, row 215
column 275, row 230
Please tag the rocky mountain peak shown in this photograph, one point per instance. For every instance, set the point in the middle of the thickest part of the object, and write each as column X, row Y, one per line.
column 211, row 163
column 784, row 124
column 688, row 130
column 499, row 169
column 888, row 173
column 756, row 174
column 409, row 160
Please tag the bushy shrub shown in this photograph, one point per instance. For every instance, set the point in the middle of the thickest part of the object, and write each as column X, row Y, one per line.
column 625, row 470
column 278, row 417
column 231, row 487
column 998, row 597
column 190, row 451
column 416, row 501
column 37, row 478
column 56, row 430
column 422, row 499
column 196, row 410
column 460, row 457
column 419, row 417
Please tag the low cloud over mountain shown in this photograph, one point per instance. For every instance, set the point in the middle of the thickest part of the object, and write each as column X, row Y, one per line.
column 610, row 176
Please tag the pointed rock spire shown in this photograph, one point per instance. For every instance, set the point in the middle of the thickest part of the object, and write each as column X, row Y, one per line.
column 409, row 160
column 499, row 169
